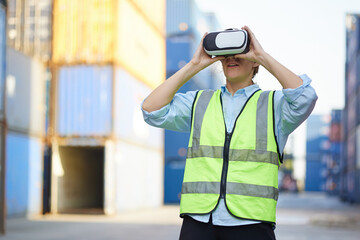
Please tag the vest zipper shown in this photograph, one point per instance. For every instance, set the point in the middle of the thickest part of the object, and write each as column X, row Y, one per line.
column 226, row 164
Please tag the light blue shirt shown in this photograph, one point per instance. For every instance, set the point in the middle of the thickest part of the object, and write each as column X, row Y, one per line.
column 292, row 107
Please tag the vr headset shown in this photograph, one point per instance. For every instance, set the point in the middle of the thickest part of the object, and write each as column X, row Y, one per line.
column 229, row 42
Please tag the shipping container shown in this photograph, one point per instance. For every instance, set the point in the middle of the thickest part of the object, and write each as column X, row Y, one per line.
column 352, row 115
column 139, row 177
column 84, row 101
column 351, row 151
column 352, row 36
column 84, row 31
column 178, row 52
column 23, row 174
column 25, row 104
column 153, row 11
column 351, row 78
column 357, row 148
column 140, row 50
column 29, row 27
column 2, row 60
column 129, row 123
column 178, row 17
column 336, row 116
column 315, row 180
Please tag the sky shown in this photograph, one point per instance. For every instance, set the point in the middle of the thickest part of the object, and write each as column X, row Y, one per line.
column 307, row 36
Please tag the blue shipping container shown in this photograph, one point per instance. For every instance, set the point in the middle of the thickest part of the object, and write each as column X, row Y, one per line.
column 352, row 36
column 23, row 174
column 178, row 17
column 2, row 59
column 178, row 52
column 315, row 179
column 84, row 101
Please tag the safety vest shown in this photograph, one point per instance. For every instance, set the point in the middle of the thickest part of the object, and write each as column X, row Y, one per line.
column 241, row 166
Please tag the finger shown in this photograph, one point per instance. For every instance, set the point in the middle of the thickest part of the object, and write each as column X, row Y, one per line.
column 252, row 35
column 217, row 58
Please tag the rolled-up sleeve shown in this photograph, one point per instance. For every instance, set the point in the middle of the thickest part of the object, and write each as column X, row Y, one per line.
column 175, row 116
column 293, row 106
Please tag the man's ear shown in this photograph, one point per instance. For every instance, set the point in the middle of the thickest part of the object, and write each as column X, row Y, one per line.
column 256, row 64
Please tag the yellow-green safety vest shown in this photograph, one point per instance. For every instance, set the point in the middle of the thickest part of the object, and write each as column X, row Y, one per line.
column 241, row 166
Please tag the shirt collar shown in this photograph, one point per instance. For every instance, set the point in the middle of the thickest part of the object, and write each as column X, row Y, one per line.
column 247, row 90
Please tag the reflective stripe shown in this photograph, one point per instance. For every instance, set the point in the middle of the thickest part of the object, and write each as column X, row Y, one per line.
column 231, row 188
column 252, row 190
column 200, row 187
column 253, row 156
column 262, row 121
column 234, row 154
column 200, row 109
column 205, row 151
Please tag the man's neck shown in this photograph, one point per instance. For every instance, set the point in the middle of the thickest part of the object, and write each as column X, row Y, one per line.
column 232, row 87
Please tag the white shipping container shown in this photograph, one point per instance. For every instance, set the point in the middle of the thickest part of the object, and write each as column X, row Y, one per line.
column 25, row 85
column 138, row 177
column 129, row 124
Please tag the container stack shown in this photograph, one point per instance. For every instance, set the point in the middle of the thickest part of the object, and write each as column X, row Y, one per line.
column 27, row 56
column 317, row 152
column 108, row 55
column 2, row 113
column 185, row 26
column 350, row 170
column 333, row 162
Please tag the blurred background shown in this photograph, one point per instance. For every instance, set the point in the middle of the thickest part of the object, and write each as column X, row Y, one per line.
column 77, row 159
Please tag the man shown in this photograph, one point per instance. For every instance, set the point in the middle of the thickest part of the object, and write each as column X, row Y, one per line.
column 237, row 137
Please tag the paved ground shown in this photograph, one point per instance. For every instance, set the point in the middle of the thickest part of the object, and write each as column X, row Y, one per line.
column 300, row 217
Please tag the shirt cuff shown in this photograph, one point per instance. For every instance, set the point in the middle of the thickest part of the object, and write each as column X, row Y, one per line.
column 292, row 94
column 157, row 113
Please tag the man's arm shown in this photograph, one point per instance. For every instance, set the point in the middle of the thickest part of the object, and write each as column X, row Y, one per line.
column 164, row 93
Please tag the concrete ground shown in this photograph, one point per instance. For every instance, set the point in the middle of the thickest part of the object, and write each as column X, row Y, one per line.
column 301, row 217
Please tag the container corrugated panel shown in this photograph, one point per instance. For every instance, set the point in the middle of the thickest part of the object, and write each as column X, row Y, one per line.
column 23, row 174
column 84, row 101
column 351, row 110
column 128, row 122
column 29, row 27
column 351, row 79
column 25, row 105
column 84, row 31
column 2, row 59
column 154, row 12
column 314, row 180
column 142, row 187
column 141, row 49
column 178, row 17
column 351, row 150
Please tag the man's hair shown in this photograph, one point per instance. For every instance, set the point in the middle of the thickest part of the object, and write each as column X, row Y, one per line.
column 256, row 69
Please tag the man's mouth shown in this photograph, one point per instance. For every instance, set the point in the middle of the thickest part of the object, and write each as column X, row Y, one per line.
column 232, row 65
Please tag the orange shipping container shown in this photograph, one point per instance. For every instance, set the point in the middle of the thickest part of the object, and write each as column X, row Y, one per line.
column 154, row 12
column 140, row 49
column 83, row 31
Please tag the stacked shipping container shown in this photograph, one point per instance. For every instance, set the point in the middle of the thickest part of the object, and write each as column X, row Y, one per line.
column 333, row 163
column 350, row 167
column 29, row 40
column 317, row 152
column 103, row 68
column 185, row 26
column 2, row 113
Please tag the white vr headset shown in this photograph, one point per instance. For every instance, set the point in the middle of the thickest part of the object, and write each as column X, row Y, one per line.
column 229, row 42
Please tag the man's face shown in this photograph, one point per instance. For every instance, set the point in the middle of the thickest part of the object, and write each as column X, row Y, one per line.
column 236, row 69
